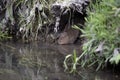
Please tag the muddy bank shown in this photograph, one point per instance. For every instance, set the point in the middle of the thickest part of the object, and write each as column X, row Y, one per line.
column 68, row 15
column 50, row 21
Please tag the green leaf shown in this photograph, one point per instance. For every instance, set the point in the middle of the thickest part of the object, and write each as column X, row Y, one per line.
column 115, row 59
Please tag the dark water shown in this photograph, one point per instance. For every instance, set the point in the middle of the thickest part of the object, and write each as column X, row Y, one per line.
column 37, row 61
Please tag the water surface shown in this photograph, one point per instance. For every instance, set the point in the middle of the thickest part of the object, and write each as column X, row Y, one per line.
column 38, row 61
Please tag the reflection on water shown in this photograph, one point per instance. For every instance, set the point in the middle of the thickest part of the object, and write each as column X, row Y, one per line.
column 38, row 61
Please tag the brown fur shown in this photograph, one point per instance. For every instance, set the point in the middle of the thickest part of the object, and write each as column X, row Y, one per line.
column 68, row 37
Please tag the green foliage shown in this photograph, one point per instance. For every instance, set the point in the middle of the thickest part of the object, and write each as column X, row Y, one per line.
column 3, row 35
column 115, row 59
column 72, row 58
column 102, row 34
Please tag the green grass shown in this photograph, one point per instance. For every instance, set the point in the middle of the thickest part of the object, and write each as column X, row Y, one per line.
column 102, row 34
